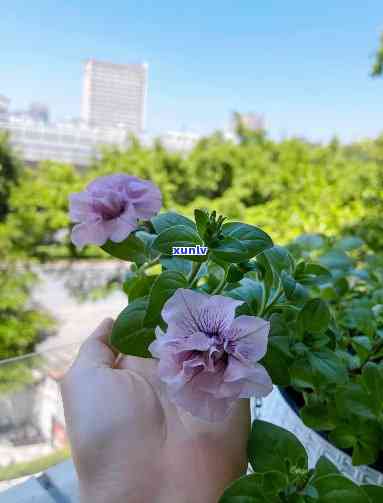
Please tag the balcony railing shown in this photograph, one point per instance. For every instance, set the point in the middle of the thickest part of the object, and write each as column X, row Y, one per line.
column 32, row 425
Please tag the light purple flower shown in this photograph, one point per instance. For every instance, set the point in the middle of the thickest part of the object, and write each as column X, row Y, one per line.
column 207, row 358
column 110, row 207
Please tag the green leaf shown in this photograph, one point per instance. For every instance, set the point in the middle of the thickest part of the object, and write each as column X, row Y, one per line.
column 314, row 274
column 132, row 249
column 336, row 259
column 272, row 448
column 358, row 316
column 234, row 274
column 293, row 290
column 310, row 242
column 329, row 368
column 318, row 368
column 255, row 488
column 349, row 243
column 363, row 435
column 365, row 453
column 343, row 436
column 375, row 493
column 249, row 291
column 179, row 236
column 317, row 416
column 361, row 399
column 148, row 240
column 163, row 288
column 176, row 264
column 362, row 345
column 324, row 467
column 279, row 259
column 273, row 261
column 202, row 219
column 137, row 285
column 311, row 494
column 229, row 249
column 167, row 220
column 372, row 381
column 254, row 239
column 129, row 335
column 336, row 489
column 341, row 287
column 354, row 399
column 216, row 274
column 315, row 316
column 278, row 359
column 369, row 440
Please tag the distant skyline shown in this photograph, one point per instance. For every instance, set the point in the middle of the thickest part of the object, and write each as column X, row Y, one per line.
column 303, row 66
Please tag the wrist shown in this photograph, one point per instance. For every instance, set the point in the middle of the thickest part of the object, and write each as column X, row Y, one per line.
column 143, row 494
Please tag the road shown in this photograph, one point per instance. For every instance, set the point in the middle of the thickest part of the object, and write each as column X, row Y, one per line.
column 75, row 319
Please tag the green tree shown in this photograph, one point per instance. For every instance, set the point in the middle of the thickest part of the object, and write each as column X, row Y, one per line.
column 21, row 322
column 38, row 224
column 377, row 68
column 10, row 170
column 288, row 187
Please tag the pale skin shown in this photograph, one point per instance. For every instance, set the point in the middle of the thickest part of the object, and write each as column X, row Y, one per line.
column 130, row 444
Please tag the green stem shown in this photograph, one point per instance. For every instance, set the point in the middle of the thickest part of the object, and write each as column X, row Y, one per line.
column 148, row 264
column 221, row 285
column 273, row 301
column 193, row 277
column 377, row 347
column 263, row 303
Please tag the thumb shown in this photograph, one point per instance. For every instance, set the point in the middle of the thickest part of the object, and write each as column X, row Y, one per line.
column 95, row 351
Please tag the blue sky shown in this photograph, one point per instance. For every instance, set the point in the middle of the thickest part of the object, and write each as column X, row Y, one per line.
column 303, row 64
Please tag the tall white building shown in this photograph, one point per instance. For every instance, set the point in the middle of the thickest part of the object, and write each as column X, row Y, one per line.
column 114, row 95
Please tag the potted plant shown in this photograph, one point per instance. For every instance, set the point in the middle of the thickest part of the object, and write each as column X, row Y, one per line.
column 281, row 474
column 338, row 395
column 228, row 313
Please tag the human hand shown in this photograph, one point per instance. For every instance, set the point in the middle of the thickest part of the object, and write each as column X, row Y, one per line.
column 131, row 445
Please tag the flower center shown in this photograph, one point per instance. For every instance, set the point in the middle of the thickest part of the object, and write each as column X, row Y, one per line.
column 109, row 208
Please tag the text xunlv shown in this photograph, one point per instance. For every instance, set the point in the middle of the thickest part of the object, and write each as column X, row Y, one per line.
column 189, row 250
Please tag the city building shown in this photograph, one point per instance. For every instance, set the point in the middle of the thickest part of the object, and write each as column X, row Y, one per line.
column 179, row 140
column 39, row 112
column 251, row 120
column 63, row 142
column 114, row 95
column 4, row 105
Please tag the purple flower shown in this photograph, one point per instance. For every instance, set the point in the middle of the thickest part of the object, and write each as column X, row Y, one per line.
column 208, row 358
column 110, row 207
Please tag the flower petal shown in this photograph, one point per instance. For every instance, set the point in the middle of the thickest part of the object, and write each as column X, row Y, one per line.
column 245, row 381
column 79, row 206
column 149, row 202
column 201, row 404
column 90, row 233
column 111, row 206
column 248, row 338
column 122, row 227
column 183, row 309
column 260, row 385
column 117, row 181
column 222, row 311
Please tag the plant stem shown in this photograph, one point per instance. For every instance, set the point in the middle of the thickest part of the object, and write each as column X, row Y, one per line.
column 148, row 264
column 377, row 347
column 193, row 277
column 221, row 285
column 273, row 301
